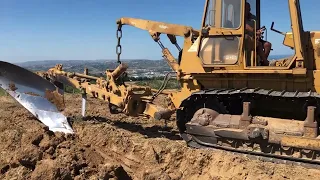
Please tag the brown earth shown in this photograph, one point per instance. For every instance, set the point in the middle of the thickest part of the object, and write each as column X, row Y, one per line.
column 109, row 146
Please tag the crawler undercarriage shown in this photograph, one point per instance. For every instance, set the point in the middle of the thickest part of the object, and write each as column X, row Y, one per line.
column 239, row 119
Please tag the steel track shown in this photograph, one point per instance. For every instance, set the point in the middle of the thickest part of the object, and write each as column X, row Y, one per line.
column 265, row 102
column 253, row 155
column 230, row 101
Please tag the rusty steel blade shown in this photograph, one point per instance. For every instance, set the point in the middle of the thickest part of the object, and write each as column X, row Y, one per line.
column 39, row 96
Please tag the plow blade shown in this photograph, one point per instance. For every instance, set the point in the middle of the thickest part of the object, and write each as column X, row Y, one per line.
column 43, row 99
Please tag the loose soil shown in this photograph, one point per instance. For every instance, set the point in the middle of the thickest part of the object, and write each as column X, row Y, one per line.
column 107, row 146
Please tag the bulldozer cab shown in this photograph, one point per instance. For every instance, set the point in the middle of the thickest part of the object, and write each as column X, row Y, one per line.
column 224, row 42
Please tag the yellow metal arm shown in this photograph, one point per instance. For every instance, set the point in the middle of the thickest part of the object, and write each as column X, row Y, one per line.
column 130, row 99
column 158, row 27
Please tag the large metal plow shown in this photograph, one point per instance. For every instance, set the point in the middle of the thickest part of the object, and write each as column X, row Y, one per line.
column 42, row 98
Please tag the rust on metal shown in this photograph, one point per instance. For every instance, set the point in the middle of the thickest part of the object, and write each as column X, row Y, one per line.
column 310, row 125
column 119, row 70
column 32, row 94
column 12, row 87
column 301, row 142
column 204, row 116
column 227, row 121
column 245, row 118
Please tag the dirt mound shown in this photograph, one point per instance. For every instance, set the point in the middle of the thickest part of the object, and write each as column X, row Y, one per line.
column 109, row 146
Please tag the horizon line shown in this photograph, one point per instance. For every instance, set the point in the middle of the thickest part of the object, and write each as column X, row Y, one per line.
column 109, row 59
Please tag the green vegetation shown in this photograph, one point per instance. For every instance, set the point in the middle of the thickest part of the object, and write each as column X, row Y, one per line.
column 98, row 67
column 70, row 89
column 2, row 92
column 67, row 89
column 156, row 84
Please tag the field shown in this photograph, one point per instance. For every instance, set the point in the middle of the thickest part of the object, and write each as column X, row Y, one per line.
column 109, row 146
column 2, row 92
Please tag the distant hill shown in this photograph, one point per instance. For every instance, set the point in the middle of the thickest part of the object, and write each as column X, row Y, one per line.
column 74, row 62
column 99, row 66
column 137, row 67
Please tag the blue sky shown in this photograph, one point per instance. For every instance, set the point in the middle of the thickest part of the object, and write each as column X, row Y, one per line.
column 85, row 29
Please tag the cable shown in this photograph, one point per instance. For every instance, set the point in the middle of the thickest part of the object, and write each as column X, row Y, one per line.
column 163, row 85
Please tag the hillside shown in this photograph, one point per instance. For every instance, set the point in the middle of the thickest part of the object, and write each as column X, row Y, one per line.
column 137, row 68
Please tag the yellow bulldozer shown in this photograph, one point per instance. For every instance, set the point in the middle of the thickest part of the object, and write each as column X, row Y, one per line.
column 229, row 98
